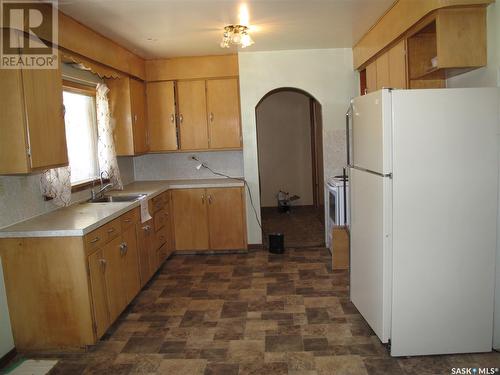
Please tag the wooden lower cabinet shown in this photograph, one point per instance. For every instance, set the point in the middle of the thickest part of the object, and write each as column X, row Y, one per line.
column 209, row 219
column 97, row 269
column 190, row 219
column 145, row 244
column 226, row 218
column 130, row 267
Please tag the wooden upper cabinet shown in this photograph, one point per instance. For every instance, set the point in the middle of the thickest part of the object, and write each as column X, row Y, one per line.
column 223, row 107
column 139, row 122
column 32, row 120
column 382, row 65
column 161, row 116
column 98, row 287
column 190, row 219
column 127, row 104
column 193, row 129
column 397, row 66
column 447, row 43
column 226, row 218
column 371, row 77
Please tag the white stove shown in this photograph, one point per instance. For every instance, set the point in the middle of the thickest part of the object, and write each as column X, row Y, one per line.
column 334, row 205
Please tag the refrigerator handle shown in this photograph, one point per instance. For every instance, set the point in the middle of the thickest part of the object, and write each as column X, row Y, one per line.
column 347, row 133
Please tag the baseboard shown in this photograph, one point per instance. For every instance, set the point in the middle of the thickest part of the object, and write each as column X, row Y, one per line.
column 256, row 246
column 5, row 360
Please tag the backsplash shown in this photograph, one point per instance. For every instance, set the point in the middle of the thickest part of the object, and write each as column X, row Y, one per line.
column 21, row 199
column 176, row 166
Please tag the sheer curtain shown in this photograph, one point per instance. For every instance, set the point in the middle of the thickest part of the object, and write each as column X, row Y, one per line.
column 56, row 184
column 105, row 145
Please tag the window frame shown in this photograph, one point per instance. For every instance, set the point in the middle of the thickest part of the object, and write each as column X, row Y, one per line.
column 87, row 90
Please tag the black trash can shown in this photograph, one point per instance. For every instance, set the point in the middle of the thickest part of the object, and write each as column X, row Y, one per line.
column 277, row 243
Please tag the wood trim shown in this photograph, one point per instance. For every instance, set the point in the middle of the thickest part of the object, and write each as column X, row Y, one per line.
column 192, row 68
column 84, row 41
column 78, row 88
column 396, row 21
column 88, row 184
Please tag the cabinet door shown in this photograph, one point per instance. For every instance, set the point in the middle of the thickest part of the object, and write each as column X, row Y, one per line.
column 223, row 105
column 97, row 267
column 45, row 118
column 382, row 64
column 131, row 279
column 190, row 219
column 138, row 105
column 226, row 218
column 397, row 66
column 121, row 114
column 114, row 278
column 371, row 77
column 144, row 243
column 192, row 115
column 161, row 116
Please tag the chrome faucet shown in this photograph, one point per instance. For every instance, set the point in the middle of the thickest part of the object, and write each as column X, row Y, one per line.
column 103, row 189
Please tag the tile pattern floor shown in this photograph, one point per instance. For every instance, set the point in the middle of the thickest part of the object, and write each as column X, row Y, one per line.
column 252, row 313
column 303, row 226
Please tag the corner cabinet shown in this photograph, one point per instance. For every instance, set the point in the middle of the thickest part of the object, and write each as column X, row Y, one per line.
column 127, row 104
column 32, row 120
column 209, row 219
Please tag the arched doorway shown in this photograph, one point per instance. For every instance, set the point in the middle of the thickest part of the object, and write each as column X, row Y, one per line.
column 290, row 158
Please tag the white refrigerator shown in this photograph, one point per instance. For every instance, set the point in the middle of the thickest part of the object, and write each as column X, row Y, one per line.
column 423, row 175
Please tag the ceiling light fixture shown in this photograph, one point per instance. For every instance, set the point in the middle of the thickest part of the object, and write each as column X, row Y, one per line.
column 236, row 34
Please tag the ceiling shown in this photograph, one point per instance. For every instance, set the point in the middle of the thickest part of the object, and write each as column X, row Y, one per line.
column 168, row 28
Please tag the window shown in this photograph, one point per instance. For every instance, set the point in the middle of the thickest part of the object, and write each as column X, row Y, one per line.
column 81, row 133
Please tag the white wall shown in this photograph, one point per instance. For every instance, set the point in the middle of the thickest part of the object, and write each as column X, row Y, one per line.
column 489, row 76
column 326, row 74
column 176, row 166
column 284, row 139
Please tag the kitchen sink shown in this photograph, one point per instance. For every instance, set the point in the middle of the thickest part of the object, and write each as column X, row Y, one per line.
column 116, row 198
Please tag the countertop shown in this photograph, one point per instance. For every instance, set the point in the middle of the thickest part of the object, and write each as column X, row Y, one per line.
column 82, row 218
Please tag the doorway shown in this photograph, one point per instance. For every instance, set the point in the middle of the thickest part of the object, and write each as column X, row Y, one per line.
column 290, row 156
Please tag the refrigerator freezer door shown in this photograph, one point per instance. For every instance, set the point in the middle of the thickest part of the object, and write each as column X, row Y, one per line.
column 371, row 249
column 445, row 215
column 371, row 132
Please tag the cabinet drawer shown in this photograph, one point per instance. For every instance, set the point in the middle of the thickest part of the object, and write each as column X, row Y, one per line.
column 160, row 201
column 161, row 237
column 130, row 218
column 102, row 235
column 160, row 219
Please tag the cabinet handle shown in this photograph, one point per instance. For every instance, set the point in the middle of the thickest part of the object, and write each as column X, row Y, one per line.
column 135, row 118
column 127, row 220
column 94, row 240
column 123, row 248
column 172, row 118
column 181, row 118
column 147, row 228
column 103, row 264
column 111, row 230
column 203, row 199
column 211, row 117
column 209, row 199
